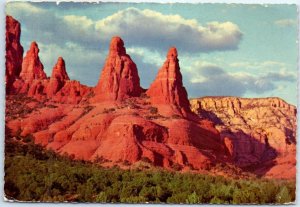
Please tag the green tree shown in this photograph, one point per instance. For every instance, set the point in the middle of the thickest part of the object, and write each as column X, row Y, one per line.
column 192, row 198
column 101, row 197
column 283, row 195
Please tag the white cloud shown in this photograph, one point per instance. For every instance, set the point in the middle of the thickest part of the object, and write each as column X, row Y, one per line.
column 264, row 65
column 138, row 28
column 285, row 22
column 147, row 56
column 209, row 79
column 155, row 30
column 13, row 7
column 81, row 64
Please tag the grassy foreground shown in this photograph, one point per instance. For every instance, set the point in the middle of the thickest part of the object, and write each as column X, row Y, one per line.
column 33, row 174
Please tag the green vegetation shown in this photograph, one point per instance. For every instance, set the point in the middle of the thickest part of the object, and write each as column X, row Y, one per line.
column 144, row 95
column 108, row 110
column 153, row 110
column 33, row 174
column 176, row 116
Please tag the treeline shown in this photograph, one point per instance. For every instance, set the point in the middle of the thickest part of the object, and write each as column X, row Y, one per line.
column 33, row 174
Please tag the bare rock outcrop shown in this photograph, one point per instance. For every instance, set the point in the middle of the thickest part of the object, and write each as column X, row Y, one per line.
column 167, row 90
column 254, row 130
column 32, row 67
column 14, row 52
column 119, row 78
column 58, row 78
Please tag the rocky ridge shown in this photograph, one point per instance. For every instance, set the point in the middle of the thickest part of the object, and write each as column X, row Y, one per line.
column 34, row 82
column 255, row 131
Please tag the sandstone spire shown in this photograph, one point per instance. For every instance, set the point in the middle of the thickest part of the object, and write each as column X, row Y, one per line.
column 58, row 77
column 119, row 78
column 167, row 88
column 32, row 68
column 14, row 51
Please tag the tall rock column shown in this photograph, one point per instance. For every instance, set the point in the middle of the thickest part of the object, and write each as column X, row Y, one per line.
column 119, row 78
column 167, row 90
column 58, row 78
column 14, row 52
column 32, row 68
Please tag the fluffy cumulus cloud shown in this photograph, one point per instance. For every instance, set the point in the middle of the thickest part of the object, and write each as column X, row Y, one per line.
column 156, row 30
column 207, row 79
column 143, row 28
column 46, row 27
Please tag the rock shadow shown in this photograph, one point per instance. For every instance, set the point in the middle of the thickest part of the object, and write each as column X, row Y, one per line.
column 251, row 154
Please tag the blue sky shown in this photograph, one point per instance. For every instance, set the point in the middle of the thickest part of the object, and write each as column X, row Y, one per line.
column 224, row 49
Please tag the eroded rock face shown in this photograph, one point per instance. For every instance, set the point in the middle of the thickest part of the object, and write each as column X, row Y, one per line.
column 119, row 77
column 14, row 52
column 91, row 132
column 167, row 90
column 58, row 78
column 71, row 92
column 254, row 130
column 32, row 68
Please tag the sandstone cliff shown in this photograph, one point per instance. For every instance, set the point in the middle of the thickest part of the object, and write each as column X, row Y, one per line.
column 255, row 131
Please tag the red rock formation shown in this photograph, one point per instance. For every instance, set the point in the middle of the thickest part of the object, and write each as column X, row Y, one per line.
column 119, row 78
column 254, row 131
column 71, row 92
column 120, row 135
column 32, row 68
column 167, row 88
column 14, row 52
column 118, row 125
column 58, row 78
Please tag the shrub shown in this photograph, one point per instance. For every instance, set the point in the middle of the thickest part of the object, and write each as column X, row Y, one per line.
column 51, row 106
column 146, row 159
column 100, row 159
column 176, row 166
column 88, row 108
column 135, row 114
column 283, row 195
column 91, row 94
column 108, row 110
column 126, row 163
column 153, row 110
column 133, row 106
column 28, row 138
column 35, row 174
column 176, row 116
column 144, row 95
